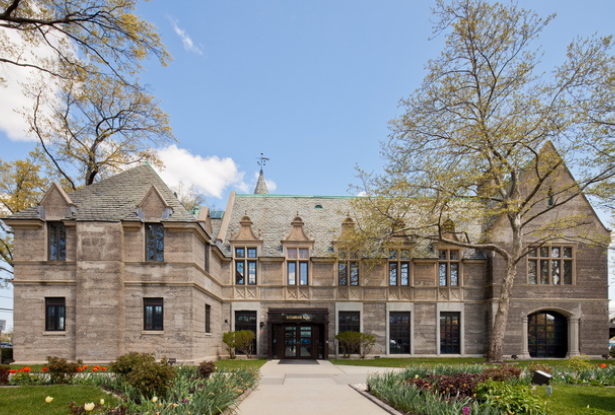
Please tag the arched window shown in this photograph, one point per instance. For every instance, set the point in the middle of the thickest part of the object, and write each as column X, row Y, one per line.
column 547, row 334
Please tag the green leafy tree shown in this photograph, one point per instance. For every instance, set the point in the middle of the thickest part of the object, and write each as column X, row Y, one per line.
column 74, row 40
column 241, row 341
column 90, row 114
column 21, row 186
column 480, row 157
column 98, row 128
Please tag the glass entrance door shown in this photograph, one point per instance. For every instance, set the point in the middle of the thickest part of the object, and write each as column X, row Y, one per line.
column 299, row 341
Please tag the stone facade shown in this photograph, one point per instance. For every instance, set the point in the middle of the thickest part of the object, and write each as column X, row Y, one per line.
column 222, row 271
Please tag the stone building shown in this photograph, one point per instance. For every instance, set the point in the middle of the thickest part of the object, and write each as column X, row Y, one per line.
column 122, row 266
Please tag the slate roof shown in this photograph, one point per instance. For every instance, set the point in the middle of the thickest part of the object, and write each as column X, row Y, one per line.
column 116, row 198
column 272, row 216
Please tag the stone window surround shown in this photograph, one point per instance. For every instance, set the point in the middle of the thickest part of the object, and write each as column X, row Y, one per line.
column 246, row 260
column 448, row 262
column 451, row 307
column 348, row 306
column 405, row 307
column 298, row 261
column 260, row 318
column 57, row 304
column 538, row 258
column 155, row 241
column 153, row 302
column 56, row 229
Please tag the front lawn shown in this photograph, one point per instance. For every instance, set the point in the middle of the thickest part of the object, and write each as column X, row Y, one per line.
column 30, row 400
column 579, row 400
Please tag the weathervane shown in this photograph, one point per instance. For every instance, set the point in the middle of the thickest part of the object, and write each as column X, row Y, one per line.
column 262, row 160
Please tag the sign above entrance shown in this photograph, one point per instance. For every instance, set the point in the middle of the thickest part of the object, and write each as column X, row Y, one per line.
column 303, row 317
column 298, row 315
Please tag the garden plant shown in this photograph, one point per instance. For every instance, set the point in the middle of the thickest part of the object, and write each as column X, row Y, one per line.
column 134, row 384
column 479, row 389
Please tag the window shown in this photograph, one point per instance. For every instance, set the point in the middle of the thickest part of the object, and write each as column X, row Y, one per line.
column 55, row 314
column 550, row 265
column 246, row 320
column 206, row 257
column 399, row 332
column 448, row 267
column 154, row 242
column 399, row 267
column 153, row 313
column 547, row 334
column 56, row 232
column 349, row 321
column 348, row 272
column 245, row 266
column 450, row 333
column 207, row 318
column 297, row 263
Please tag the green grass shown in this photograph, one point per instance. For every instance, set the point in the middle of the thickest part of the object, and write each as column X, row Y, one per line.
column 574, row 399
column 30, row 400
column 239, row 364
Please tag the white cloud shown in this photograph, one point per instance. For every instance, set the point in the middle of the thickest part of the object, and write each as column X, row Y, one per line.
column 185, row 37
column 209, row 175
column 14, row 79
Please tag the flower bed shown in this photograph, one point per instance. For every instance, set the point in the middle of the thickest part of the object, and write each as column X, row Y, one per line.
column 169, row 390
column 480, row 389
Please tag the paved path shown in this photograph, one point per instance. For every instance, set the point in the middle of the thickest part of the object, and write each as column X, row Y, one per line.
column 315, row 388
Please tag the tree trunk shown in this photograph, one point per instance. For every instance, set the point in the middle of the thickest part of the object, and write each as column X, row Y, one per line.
column 496, row 341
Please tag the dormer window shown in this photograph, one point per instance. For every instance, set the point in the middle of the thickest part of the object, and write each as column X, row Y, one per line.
column 448, row 267
column 154, row 242
column 56, row 233
column 399, row 267
column 297, row 266
column 245, row 265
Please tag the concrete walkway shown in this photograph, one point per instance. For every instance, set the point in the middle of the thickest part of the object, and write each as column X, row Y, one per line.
column 310, row 388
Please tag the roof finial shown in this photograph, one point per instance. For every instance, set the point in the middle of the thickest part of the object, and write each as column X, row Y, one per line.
column 262, row 160
column 261, row 185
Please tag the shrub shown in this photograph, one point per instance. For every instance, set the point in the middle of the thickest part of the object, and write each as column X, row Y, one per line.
column 460, row 385
column 350, row 341
column 367, row 343
column 228, row 339
column 578, row 362
column 503, row 373
column 516, row 399
column 61, row 370
column 142, row 372
column 206, row 368
column 4, row 374
column 241, row 341
column 244, row 340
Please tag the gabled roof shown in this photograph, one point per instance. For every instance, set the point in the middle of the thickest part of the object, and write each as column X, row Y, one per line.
column 117, row 198
column 273, row 215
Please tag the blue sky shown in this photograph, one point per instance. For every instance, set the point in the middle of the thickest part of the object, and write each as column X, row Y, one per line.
column 309, row 83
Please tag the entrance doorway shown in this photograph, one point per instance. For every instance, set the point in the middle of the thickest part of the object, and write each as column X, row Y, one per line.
column 298, row 333
column 297, row 341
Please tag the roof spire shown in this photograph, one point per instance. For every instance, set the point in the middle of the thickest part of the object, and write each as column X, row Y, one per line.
column 261, row 185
